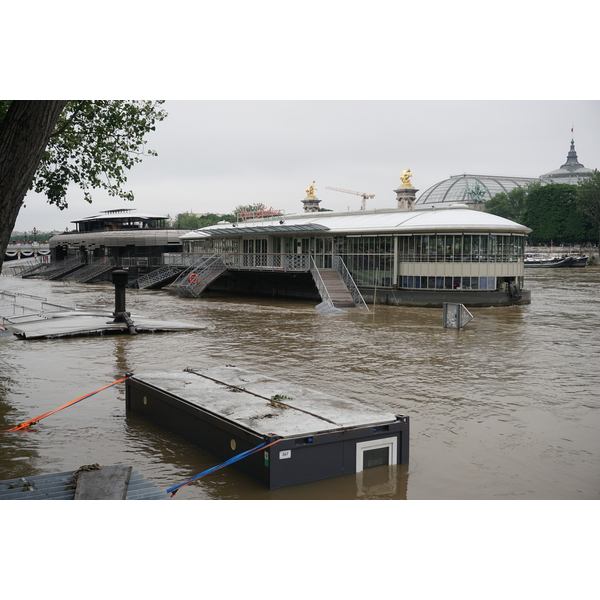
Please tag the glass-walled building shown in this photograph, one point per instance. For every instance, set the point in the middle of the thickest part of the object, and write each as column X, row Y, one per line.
column 421, row 257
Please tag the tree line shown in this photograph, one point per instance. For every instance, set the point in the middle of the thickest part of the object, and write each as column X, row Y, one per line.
column 558, row 213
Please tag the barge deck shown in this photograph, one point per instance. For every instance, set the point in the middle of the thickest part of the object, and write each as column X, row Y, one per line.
column 225, row 411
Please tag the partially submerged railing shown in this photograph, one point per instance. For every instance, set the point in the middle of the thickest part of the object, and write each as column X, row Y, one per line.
column 160, row 275
column 340, row 266
column 61, row 267
column 194, row 279
column 15, row 306
column 321, row 287
column 39, row 264
column 93, row 270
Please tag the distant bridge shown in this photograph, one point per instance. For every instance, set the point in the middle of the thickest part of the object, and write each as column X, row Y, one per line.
column 25, row 250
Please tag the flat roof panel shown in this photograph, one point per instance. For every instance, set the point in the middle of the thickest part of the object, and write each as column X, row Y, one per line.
column 452, row 218
column 262, row 404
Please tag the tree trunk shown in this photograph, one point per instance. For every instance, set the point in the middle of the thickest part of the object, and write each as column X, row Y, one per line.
column 24, row 135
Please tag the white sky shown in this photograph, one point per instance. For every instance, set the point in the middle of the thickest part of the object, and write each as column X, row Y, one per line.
column 215, row 155
column 267, row 97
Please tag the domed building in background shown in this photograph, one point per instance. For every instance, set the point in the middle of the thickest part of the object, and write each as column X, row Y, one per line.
column 475, row 190
column 470, row 189
column 571, row 172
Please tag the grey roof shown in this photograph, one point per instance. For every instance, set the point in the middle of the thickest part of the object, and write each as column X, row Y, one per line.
column 572, row 163
column 235, row 228
column 457, row 217
column 122, row 237
column 61, row 486
column 120, row 214
column 246, row 398
column 570, row 172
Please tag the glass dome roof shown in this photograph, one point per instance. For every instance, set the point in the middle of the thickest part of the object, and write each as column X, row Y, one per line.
column 470, row 188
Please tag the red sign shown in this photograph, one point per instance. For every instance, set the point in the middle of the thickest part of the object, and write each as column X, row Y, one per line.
column 261, row 211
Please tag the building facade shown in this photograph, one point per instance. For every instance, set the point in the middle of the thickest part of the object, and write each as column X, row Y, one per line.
column 422, row 257
column 134, row 240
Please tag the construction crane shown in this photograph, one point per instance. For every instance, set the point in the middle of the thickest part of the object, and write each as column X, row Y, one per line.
column 363, row 204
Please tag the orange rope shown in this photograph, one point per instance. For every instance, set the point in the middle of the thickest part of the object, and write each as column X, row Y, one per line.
column 28, row 424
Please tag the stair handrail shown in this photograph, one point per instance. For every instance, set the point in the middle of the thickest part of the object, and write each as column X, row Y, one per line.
column 91, row 270
column 199, row 263
column 37, row 266
column 340, row 266
column 156, row 276
column 321, row 287
column 192, row 283
column 62, row 266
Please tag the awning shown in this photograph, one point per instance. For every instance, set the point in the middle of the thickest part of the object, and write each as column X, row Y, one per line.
column 251, row 230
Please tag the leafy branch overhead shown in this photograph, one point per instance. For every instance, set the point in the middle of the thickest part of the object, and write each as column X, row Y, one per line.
column 93, row 144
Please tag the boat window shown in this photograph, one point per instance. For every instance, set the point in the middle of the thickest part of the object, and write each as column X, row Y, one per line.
column 376, row 457
column 375, row 453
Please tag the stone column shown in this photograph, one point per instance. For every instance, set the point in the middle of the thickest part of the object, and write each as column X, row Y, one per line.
column 406, row 197
column 311, row 204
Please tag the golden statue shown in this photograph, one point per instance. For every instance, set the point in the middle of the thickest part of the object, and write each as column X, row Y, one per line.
column 310, row 191
column 406, row 175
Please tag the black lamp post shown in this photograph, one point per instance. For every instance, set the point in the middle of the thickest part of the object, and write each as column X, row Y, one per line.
column 34, row 231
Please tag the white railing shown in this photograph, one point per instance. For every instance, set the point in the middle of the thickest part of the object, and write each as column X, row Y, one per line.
column 340, row 266
column 268, row 262
column 323, row 291
column 193, row 280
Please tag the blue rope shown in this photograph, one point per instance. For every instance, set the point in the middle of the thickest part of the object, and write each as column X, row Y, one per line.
column 173, row 490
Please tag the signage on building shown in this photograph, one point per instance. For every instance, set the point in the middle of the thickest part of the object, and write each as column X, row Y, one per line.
column 260, row 211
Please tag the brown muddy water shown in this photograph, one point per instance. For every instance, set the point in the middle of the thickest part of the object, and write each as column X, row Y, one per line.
column 507, row 408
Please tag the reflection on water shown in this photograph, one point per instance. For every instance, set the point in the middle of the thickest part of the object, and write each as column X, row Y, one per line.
column 506, row 408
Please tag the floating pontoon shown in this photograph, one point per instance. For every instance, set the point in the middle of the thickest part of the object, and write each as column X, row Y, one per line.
column 226, row 411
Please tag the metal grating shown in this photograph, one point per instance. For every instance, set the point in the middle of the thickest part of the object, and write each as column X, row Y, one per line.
column 61, row 486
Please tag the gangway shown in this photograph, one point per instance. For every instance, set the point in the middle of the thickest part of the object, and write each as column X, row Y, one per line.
column 340, row 266
column 62, row 267
column 33, row 270
column 89, row 272
column 336, row 287
column 192, row 282
column 156, row 279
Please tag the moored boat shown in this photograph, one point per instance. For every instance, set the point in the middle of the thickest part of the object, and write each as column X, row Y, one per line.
column 579, row 261
column 548, row 263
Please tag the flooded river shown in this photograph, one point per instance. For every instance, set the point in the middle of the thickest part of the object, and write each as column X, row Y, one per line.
column 507, row 408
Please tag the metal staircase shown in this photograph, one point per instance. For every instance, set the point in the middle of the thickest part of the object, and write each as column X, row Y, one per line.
column 192, row 282
column 334, row 290
column 89, row 272
column 58, row 269
column 156, row 279
column 30, row 270
column 340, row 266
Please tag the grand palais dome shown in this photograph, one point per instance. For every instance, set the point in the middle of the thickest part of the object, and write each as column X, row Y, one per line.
column 477, row 189
column 470, row 188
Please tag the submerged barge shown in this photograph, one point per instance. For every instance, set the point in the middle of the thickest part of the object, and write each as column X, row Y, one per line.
column 226, row 411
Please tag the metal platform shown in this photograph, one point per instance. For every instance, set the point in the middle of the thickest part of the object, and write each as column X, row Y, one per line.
column 226, row 411
column 62, row 486
column 31, row 317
